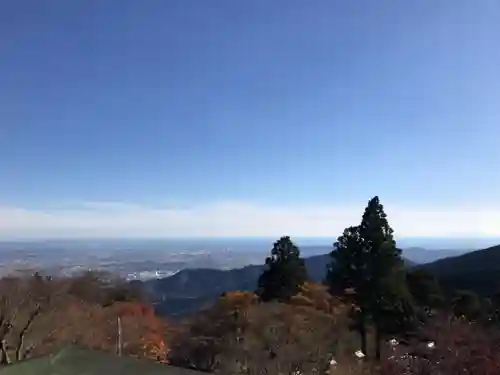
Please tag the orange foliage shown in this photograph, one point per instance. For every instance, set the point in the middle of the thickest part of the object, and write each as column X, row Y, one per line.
column 133, row 309
column 96, row 327
column 140, row 324
column 241, row 331
column 82, row 310
column 317, row 296
column 237, row 299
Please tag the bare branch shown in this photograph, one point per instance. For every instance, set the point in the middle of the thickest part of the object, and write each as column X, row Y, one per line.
column 20, row 344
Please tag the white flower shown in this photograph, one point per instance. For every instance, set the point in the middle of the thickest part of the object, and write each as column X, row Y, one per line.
column 393, row 342
column 333, row 362
column 431, row 344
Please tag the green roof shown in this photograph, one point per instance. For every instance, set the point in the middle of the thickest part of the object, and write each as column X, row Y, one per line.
column 75, row 361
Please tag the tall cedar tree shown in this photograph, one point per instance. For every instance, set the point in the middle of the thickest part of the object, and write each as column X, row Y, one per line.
column 385, row 270
column 347, row 273
column 365, row 259
column 285, row 272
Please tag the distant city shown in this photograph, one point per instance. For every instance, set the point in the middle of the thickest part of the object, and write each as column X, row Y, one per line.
column 145, row 259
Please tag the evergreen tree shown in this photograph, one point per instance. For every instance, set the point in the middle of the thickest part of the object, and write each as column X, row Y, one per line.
column 466, row 303
column 346, row 276
column 384, row 265
column 285, row 272
column 395, row 313
column 365, row 259
column 495, row 308
column 425, row 290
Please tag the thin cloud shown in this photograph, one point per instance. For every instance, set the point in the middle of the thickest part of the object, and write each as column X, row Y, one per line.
column 220, row 219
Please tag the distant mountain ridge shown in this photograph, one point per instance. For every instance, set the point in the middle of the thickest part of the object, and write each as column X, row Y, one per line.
column 478, row 271
column 421, row 255
column 190, row 289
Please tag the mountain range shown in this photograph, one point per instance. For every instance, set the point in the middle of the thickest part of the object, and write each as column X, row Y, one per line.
column 421, row 255
column 190, row 289
column 478, row 271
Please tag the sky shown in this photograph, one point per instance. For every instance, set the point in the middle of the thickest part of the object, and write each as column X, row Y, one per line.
column 128, row 118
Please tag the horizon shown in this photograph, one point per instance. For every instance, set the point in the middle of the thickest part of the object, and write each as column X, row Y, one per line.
column 237, row 119
column 427, row 243
column 234, row 219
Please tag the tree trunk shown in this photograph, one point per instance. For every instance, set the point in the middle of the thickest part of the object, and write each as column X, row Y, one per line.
column 20, row 344
column 5, row 355
column 5, row 328
column 119, row 340
column 19, row 349
column 362, row 333
column 378, row 341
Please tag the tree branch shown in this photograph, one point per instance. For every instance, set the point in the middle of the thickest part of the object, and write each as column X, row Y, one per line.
column 22, row 333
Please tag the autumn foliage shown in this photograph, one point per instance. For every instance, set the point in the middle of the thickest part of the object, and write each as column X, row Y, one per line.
column 40, row 314
column 145, row 330
column 241, row 334
column 317, row 296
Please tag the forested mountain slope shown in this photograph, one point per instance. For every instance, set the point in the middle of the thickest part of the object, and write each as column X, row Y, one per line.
column 190, row 289
column 477, row 270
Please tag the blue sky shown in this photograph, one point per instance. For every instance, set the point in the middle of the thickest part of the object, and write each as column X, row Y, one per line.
column 186, row 117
